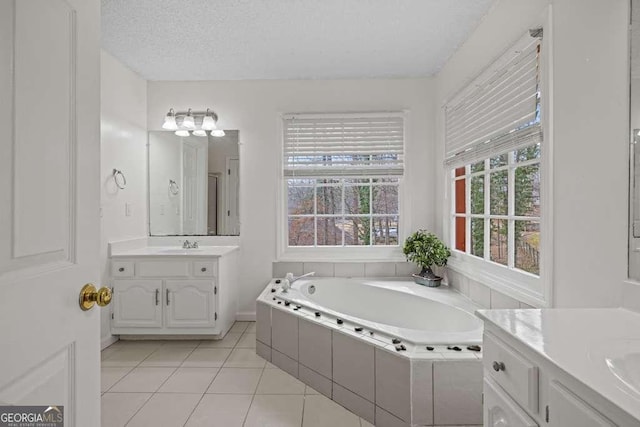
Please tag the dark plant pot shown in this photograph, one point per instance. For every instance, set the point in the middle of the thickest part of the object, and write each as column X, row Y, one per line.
column 427, row 278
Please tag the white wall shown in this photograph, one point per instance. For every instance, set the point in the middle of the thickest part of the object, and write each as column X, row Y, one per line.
column 253, row 108
column 589, row 135
column 123, row 138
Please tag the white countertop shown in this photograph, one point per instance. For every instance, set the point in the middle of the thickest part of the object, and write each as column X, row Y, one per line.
column 173, row 251
column 578, row 341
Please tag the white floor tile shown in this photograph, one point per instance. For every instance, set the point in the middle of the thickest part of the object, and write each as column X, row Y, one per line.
column 251, row 329
column 365, row 423
column 276, row 381
column 165, row 410
column 310, row 390
column 127, row 356
column 239, row 327
column 189, row 380
column 207, row 358
column 320, row 411
column 236, row 381
column 111, row 375
column 244, row 358
column 118, row 408
column 247, row 341
column 167, row 356
column 182, row 343
column 143, row 380
column 220, row 410
column 229, row 341
column 271, row 410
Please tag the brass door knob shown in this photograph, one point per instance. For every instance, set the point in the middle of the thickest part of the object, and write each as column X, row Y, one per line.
column 89, row 296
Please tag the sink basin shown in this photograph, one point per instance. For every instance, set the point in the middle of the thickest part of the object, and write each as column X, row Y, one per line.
column 179, row 251
column 623, row 361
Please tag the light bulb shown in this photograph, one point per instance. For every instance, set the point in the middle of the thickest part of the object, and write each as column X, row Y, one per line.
column 208, row 123
column 170, row 121
column 217, row 133
column 199, row 132
column 188, row 121
column 182, row 132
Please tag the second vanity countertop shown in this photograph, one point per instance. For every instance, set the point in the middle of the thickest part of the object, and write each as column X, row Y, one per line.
column 581, row 342
column 173, row 251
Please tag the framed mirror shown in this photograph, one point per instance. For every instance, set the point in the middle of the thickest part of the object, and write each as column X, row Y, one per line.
column 193, row 184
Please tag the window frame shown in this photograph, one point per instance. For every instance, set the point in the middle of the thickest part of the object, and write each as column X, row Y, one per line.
column 392, row 253
column 524, row 287
column 513, row 277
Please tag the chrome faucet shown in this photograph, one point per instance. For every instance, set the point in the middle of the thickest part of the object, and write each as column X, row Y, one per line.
column 290, row 278
column 189, row 245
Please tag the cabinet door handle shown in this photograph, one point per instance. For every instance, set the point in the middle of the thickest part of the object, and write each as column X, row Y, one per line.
column 121, row 269
column 203, row 269
column 498, row 366
column 157, row 296
column 167, row 296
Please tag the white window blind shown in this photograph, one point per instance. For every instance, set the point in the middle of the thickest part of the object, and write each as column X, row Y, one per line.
column 499, row 110
column 368, row 144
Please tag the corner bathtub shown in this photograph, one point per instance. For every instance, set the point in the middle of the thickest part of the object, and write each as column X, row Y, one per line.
column 390, row 351
column 403, row 309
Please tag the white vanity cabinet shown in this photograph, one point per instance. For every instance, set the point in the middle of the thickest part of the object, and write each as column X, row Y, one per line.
column 173, row 295
column 522, row 389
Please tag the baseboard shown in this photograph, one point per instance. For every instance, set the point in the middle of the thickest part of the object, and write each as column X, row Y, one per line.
column 246, row 316
column 107, row 341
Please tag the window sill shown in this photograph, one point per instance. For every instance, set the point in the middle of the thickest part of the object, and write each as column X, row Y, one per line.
column 342, row 254
column 521, row 286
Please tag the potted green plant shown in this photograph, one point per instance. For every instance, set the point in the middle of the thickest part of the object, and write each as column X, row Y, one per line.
column 426, row 250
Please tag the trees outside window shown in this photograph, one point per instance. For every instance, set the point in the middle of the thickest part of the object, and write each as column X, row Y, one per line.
column 343, row 211
column 501, row 209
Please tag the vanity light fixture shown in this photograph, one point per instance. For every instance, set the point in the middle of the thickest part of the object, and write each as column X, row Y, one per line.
column 198, row 123
column 188, row 121
column 209, row 120
column 170, row 121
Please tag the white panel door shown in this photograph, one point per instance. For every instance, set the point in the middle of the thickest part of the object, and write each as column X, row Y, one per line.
column 232, row 226
column 49, row 203
column 568, row 410
column 190, row 303
column 194, row 171
column 501, row 411
column 137, row 304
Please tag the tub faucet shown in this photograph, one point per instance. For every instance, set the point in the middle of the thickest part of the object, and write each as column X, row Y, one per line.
column 289, row 279
column 189, row 245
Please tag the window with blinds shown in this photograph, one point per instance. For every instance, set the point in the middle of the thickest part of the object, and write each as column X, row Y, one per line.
column 344, row 145
column 500, row 110
column 342, row 176
column 494, row 150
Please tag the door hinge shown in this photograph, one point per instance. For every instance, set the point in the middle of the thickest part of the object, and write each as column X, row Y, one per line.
column 112, row 316
column 228, row 171
column 483, row 398
column 228, row 213
column 546, row 413
column 215, row 316
column 215, row 290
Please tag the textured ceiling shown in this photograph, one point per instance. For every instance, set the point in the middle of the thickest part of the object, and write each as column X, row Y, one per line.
column 286, row 39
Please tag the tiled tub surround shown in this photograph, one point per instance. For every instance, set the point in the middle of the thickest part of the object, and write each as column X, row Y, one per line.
column 386, row 382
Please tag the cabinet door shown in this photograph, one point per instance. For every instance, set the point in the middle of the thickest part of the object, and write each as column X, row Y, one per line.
column 566, row 409
column 137, row 304
column 501, row 411
column 190, row 303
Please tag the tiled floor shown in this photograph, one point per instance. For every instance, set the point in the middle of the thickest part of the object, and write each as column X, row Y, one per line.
column 208, row 383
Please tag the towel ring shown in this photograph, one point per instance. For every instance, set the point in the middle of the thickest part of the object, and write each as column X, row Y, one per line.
column 173, row 187
column 120, row 179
